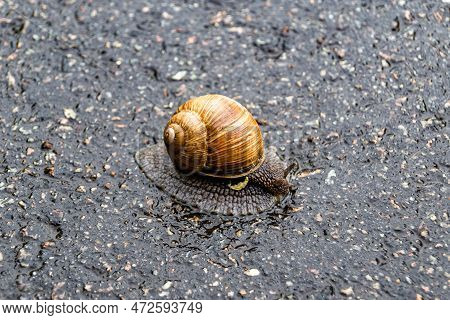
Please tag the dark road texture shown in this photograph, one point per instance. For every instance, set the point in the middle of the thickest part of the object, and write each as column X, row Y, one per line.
column 356, row 92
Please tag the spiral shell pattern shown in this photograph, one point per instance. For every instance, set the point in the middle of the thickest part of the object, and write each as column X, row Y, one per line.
column 214, row 136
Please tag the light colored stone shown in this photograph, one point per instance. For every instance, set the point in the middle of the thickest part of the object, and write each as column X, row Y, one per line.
column 252, row 272
column 70, row 113
column 167, row 285
column 331, row 174
column 81, row 189
column 179, row 75
column 347, row 291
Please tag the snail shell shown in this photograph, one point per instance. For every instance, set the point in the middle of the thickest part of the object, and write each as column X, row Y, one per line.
column 214, row 136
column 214, row 159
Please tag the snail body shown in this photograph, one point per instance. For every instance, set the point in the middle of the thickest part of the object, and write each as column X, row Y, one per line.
column 215, row 160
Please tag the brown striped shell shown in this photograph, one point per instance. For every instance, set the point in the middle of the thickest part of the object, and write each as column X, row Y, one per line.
column 215, row 136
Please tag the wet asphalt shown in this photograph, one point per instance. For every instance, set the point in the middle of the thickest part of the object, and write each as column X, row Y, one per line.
column 356, row 92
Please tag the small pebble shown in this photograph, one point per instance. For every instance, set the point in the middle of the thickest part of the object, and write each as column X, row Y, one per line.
column 69, row 113
column 340, row 52
column 88, row 287
column 191, row 40
column 347, row 291
column 117, row 44
column 408, row 15
column 252, row 272
column 423, row 232
column 181, row 90
column 167, row 285
column 11, row 80
column 50, row 171
column 47, row 145
column 25, row 131
column 167, row 16
column 22, row 204
column 81, row 189
column 331, row 174
column 179, row 75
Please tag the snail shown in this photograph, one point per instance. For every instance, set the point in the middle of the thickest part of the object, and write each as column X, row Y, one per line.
column 213, row 158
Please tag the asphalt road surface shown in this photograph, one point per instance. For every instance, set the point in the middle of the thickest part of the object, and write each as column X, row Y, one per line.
column 355, row 91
